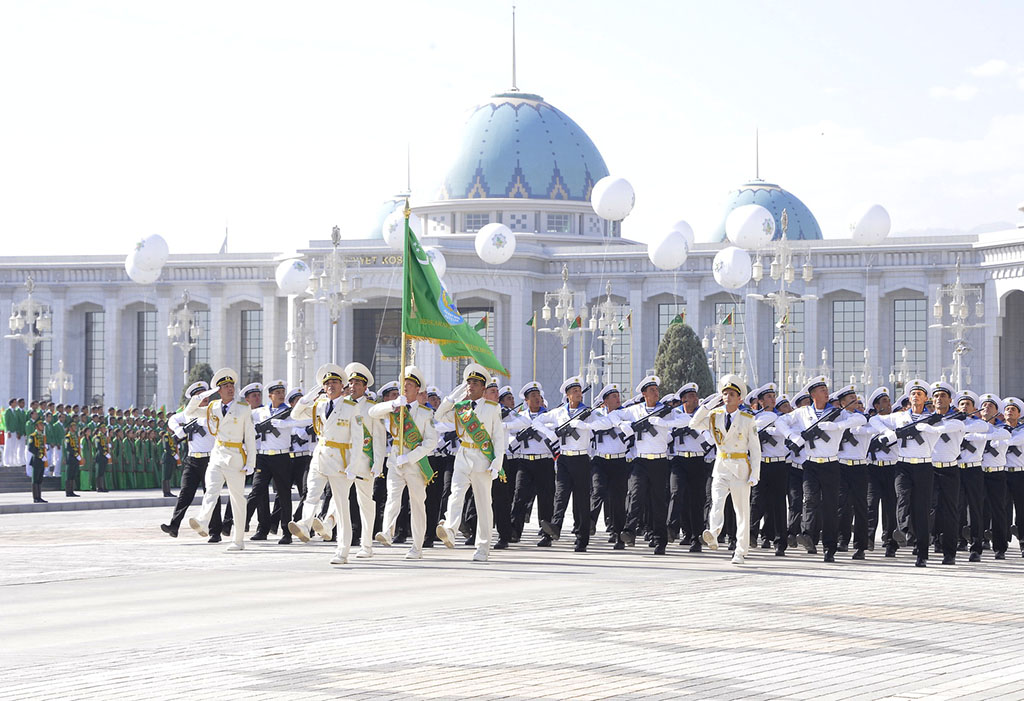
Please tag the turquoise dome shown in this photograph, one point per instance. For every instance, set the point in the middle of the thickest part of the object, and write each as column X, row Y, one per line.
column 517, row 145
column 802, row 224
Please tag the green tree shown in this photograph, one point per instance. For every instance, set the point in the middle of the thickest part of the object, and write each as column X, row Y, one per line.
column 199, row 371
column 681, row 359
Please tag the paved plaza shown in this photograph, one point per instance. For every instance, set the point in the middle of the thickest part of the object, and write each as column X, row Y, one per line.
column 98, row 604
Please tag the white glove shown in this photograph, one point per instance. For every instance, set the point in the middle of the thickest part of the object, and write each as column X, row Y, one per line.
column 828, row 426
column 889, row 435
column 575, row 423
column 752, row 481
column 714, row 401
column 249, row 469
column 656, row 421
column 402, row 460
column 626, row 429
column 210, row 393
column 494, row 471
column 458, row 393
column 400, row 402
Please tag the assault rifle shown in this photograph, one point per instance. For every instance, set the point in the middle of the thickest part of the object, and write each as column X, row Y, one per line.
column 265, row 427
column 814, row 433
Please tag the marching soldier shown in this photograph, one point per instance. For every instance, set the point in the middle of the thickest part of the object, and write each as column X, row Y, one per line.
column 972, row 479
column 768, row 496
column 687, row 481
column 853, row 476
column 37, row 456
column 536, row 475
column 946, row 462
column 408, row 465
column 200, row 444
column 479, row 459
column 795, row 484
column 1012, row 408
column 737, row 462
column 993, row 466
column 233, row 455
column 273, row 462
column 501, row 490
column 611, row 469
column 881, row 475
column 572, row 469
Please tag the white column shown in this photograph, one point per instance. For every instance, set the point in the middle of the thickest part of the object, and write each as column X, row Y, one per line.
column 873, row 315
column 58, row 337
column 112, row 357
column 515, row 337
column 217, row 331
column 812, row 344
column 643, row 354
column 752, row 340
column 346, row 324
column 167, row 372
column 986, row 367
column 295, row 356
column 939, row 354
column 693, row 297
column 270, row 352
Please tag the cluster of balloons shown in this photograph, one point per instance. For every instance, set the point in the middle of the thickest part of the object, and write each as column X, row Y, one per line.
column 147, row 259
column 292, row 276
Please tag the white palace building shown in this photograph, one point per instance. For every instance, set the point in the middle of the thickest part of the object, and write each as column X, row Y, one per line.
column 528, row 165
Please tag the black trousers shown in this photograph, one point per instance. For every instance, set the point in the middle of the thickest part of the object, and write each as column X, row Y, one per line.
column 193, row 476
column 300, row 470
column 768, row 501
column 276, row 469
column 501, row 509
column 71, row 473
column 881, row 492
column 694, row 498
column 609, row 482
column 37, row 470
column 676, row 493
column 573, row 478
column 168, row 465
column 995, row 502
column 445, row 467
column 433, row 499
column 913, row 501
column 380, row 498
column 101, row 468
column 821, row 501
column 535, row 477
column 853, row 497
column 947, row 508
column 972, row 481
column 795, row 489
column 648, row 484
column 1015, row 485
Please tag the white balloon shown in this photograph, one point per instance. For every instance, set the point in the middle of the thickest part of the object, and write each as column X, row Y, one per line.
column 731, row 267
column 612, row 198
column 750, row 226
column 151, row 253
column 869, row 224
column 394, row 229
column 684, row 227
column 292, row 276
column 670, row 251
column 143, row 277
column 437, row 260
column 495, row 243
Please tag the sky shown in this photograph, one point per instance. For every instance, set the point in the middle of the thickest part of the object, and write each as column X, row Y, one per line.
column 276, row 121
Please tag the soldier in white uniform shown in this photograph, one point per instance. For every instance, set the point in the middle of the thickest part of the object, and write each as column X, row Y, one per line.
column 408, row 459
column 881, row 475
column 610, row 467
column 536, row 475
column 972, row 479
column 946, row 462
column 737, row 463
column 853, row 475
column 333, row 419
column 768, row 496
column 687, row 482
column 233, row 455
column 1012, row 407
column 479, row 458
column 993, row 466
column 273, row 464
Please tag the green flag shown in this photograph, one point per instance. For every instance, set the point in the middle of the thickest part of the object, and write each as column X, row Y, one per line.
column 576, row 323
column 429, row 312
column 532, row 319
column 678, row 319
column 481, row 325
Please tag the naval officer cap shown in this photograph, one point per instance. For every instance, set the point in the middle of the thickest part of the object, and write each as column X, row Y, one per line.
column 670, row 397
column 393, row 385
column 607, row 389
column 296, row 392
column 358, row 371
column 941, row 386
column 733, row 382
column 993, row 400
column 766, row 388
column 688, row 387
column 843, row 392
column 476, row 371
column 966, row 394
column 433, row 391
column 275, row 385
column 1013, row 402
column 531, row 387
column 571, row 382
column 750, row 398
column 878, row 394
column 194, row 388
column 816, row 382
column 251, row 388
column 915, row 384
column 330, row 371
column 783, row 399
column 506, row 390
column 415, row 374
column 224, row 376
column 647, row 382
column 801, row 396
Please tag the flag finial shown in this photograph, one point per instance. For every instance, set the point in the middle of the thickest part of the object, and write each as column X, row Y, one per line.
column 407, row 211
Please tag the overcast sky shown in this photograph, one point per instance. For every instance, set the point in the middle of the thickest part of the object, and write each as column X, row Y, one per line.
column 279, row 120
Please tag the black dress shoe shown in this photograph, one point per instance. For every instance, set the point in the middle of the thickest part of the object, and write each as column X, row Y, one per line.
column 805, row 542
column 859, row 555
column 400, row 539
column 544, row 542
column 975, row 557
column 843, row 547
column 949, row 559
column 286, row 539
column 259, row 535
column 732, row 545
column 1001, row 555
column 791, row 541
column 72, row 494
column 214, row 538
column 900, row 537
column 619, row 545
column 961, row 547
column 593, row 529
column 628, row 538
column 937, row 549
column 549, row 530
column 965, row 533
column 579, row 548
column 660, row 549
column 225, row 530
column 780, row 551
column 673, row 535
column 871, row 544
column 613, row 538
column 500, row 545
column 830, row 556
column 273, row 530
column 890, row 550
column 471, row 540
column 515, row 538
column 651, row 544
column 696, row 547
column 921, row 562
column 173, row 532
column 429, row 543
column 766, row 545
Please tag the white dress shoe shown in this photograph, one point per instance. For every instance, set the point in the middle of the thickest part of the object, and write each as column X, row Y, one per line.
column 445, row 535
column 364, row 553
column 414, row 554
column 339, row 559
column 710, row 540
column 737, row 559
column 298, row 531
column 383, row 538
column 198, row 528
column 319, row 529
column 479, row 557
column 235, row 548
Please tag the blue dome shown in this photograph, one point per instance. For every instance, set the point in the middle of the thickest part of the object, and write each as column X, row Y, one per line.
column 517, row 145
column 802, row 224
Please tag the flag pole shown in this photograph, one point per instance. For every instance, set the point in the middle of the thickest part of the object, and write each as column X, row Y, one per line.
column 405, row 345
column 534, row 325
column 630, row 317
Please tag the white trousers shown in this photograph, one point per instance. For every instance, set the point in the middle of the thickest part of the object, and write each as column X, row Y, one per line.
column 367, row 510
column 217, row 474
column 480, row 481
column 10, row 449
column 408, row 476
column 725, row 480
column 53, row 455
column 316, row 482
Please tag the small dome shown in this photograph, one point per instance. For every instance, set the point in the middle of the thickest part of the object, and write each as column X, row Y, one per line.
column 517, row 145
column 802, row 224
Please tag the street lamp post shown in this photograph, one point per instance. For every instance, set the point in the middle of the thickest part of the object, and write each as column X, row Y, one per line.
column 958, row 294
column 331, row 288
column 301, row 343
column 30, row 323
column 184, row 331
column 605, row 319
column 61, row 382
column 721, row 345
column 783, row 271
column 565, row 314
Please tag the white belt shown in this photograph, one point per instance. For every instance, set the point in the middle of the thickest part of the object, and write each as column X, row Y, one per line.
column 652, row 456
column 1014, row 469
column 574, row 453
column 301, row 453
column 199, row 455
column 945, row 464
column 689, row 454
column 820, row 461
column 271, row 452
column 998, row 468
column 968, row 465
column 769, row 461
column 616, row 456
column 535, row 457
column 884, row 463
column 849, row 463
column 915, row 461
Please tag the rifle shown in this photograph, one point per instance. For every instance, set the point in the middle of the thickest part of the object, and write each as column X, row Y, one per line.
column 848, row 438
column 265, row 427
column 451, row 439
column 193, row 427
column 566, row 430
column 812, row 433
column 298, row 441
column 766, row 437
column 990, row 450
column 876, row 446
column 641, row 426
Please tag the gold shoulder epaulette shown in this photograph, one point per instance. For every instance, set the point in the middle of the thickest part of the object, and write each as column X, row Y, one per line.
column 747, row 414
column 349, row 402
column 488, row 401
